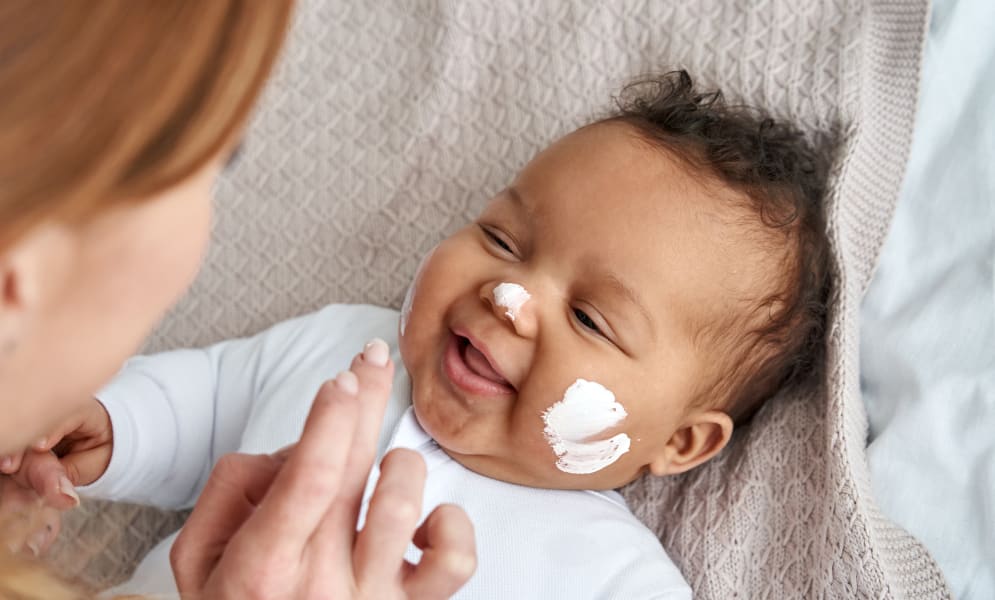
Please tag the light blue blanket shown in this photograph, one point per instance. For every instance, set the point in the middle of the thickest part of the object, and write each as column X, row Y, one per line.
column 928, row 320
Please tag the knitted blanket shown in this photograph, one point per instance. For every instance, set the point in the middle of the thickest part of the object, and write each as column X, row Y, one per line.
column 389, row 124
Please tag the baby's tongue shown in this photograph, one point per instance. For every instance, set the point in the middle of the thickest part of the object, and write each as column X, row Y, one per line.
column 479, row 364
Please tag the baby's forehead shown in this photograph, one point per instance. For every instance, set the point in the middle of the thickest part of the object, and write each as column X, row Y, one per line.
column 621, row 197
column 613, row 168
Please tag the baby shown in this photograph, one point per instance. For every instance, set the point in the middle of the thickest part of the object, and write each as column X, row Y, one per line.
column 638, row 290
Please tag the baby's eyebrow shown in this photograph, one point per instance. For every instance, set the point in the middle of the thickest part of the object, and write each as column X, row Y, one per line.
column 516, row 198
column 620, row 287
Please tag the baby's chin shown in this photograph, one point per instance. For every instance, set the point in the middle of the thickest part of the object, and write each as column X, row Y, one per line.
column 442, row 433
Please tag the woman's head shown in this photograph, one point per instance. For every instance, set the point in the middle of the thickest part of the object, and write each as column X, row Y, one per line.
column 116, row 119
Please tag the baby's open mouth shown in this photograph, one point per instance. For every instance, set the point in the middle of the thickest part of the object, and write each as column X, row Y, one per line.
column 477, row 362
column 471, row 370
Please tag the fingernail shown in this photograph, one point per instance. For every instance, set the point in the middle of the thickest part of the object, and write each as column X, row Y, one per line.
column 347, row 382
column 377, row 352
column 34, row 547
column 6, row 463
column 41, row 444
column 67, row 489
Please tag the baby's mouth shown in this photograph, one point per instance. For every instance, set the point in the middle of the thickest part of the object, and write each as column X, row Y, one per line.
column 478, row 363
column 469, row 369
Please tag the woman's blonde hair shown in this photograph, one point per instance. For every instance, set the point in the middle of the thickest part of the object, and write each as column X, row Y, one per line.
column 113, row 101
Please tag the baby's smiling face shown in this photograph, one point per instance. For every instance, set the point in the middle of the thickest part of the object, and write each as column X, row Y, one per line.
column 622, row 251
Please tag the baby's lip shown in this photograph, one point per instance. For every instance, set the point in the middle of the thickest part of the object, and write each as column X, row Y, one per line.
column 482, row 348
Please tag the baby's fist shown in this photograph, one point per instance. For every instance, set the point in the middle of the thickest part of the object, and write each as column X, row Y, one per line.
column 76, row 453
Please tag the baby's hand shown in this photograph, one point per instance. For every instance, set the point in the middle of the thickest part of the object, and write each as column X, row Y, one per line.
column 76, row 453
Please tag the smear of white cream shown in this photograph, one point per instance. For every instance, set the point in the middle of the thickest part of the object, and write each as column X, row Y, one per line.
column 409, row 296
column 587, row 409
column 512, row 297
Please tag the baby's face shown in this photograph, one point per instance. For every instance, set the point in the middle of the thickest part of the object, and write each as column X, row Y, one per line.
column 551, row 342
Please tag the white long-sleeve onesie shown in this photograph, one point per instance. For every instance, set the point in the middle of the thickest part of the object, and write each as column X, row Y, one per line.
column 174, row 414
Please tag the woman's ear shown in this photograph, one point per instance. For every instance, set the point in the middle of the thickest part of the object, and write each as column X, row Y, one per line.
column 33, row 265
column 699, row 439
column 9, row 329
column 15, row 297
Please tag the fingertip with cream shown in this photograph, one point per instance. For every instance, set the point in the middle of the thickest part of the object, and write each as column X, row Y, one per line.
column 376, row 352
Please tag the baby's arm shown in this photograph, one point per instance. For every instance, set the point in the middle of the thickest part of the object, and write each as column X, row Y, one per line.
column 164, row 411
column 174, row 414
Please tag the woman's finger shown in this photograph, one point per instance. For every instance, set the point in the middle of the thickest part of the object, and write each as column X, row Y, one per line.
column 311, row 479
column 375, row 372
column 393, row 515
column 238, row 483
column 449, row 555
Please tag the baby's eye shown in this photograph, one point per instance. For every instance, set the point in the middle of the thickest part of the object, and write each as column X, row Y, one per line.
column 497, row 240
column 586, row 321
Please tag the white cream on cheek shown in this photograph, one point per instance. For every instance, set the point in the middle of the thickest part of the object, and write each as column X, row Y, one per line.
column 409, row 297
column 587, row 409
column 406, row 307
column 512, row 297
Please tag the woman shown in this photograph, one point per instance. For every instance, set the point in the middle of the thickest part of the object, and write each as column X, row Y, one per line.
column 116, row 118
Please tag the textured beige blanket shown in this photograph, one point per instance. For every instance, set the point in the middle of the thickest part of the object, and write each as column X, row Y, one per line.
column 390, row 123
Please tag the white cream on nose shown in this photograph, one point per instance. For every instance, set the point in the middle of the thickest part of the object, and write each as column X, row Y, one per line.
column 512, row 297
column 587, row 409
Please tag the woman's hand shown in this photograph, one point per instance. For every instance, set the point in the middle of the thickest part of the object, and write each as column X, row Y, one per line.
column 284, row 526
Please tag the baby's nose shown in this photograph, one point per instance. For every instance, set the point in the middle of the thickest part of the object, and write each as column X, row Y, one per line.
column 512, row 303
column 510, row 297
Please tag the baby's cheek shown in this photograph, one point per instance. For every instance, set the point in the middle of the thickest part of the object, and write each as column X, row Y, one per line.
column 409, row 298
column 578, row 427
column 525, row 434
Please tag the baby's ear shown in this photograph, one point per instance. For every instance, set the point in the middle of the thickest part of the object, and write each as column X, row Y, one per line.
column 699, row 439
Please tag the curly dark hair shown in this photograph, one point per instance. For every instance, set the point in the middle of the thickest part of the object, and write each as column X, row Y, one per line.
column 778, row 339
